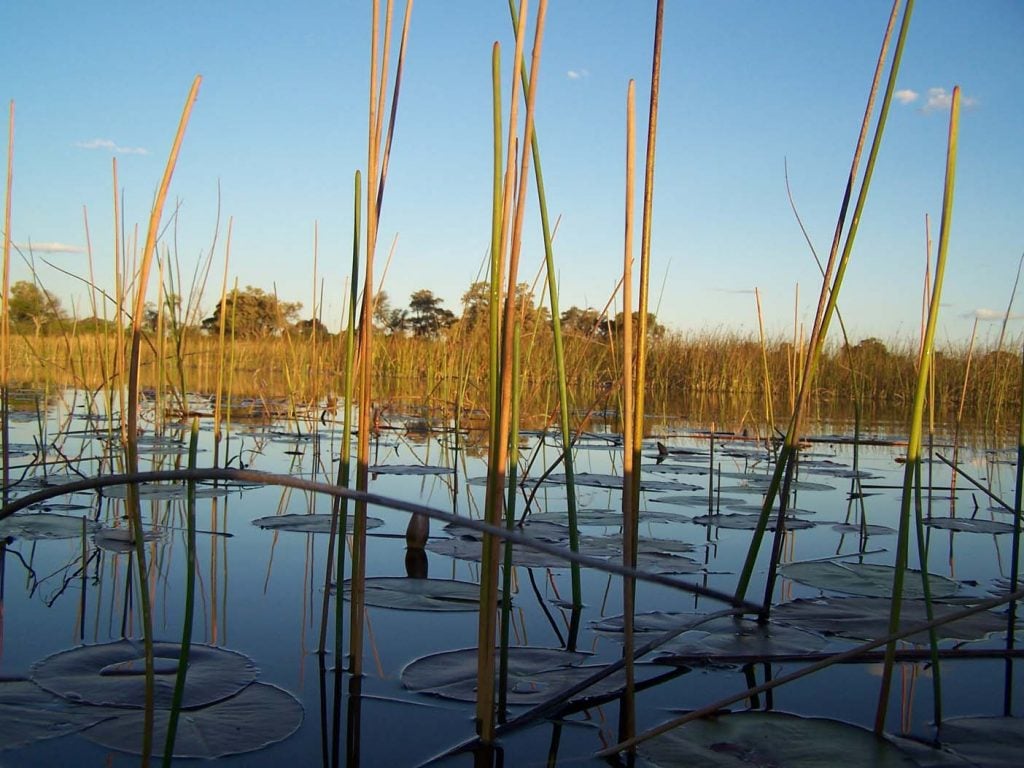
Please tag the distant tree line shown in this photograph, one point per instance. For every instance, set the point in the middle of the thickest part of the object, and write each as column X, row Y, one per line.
column 251, row 313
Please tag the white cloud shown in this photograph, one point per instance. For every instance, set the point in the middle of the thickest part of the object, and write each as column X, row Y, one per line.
column 577, row 74
column 984, row 314
column 905, row 95
column 50, row 248
column 111, row 146
column 940, row 99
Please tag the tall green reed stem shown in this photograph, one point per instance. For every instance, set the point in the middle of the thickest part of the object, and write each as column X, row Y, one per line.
column 827, row 299
column 190, row 600
column 913, row 464
column 1018, row 498
column 559, row 346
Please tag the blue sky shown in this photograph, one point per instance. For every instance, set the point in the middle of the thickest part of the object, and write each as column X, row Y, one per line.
column 280, row 124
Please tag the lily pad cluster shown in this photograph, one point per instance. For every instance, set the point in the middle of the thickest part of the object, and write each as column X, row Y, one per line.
column 99, row 690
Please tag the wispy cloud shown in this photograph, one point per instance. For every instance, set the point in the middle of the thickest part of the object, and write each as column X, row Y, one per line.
column 940, row 100
column 906, row 96
column 577, row 74
column 992, row 315
column 50, row 248
column 111, row 146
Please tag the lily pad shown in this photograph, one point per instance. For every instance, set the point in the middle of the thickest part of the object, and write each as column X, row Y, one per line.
column 869, row 530
column 302, row 523
column 595, row 480
column 254, row 718
column 865, row 579
column 409, row 469
column 29, row 714
column 694, row 500
column 866, row 618
column 771, row 740
column 155, row 491
column 114, row 674
column 408, row 594
column 744, row 522
column 534, row 673
column 726, row 636
column 45, row 525
column 994, row 742
column 969, row 525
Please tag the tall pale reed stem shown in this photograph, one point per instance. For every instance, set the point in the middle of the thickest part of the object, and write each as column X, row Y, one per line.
column 630, row 475
column 133, row 507
column 5, row 319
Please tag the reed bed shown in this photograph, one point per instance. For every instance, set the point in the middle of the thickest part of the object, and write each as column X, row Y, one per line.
column 695, row 368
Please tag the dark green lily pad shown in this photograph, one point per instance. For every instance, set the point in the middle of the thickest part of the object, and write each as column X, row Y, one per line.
column 994, row 742
column 771, row 740
column 969, row 525
column 868, row 530
column 45, row 525
column 113, row 674
column 534, row 673
column 865, row 579
column 744, row 522
column 408, row 594
column 602, row 517
column 595, row 480
column 726, row 636
column 254, row 718
column 472, row 549
column 866, row 618
column 303, row 523
column 158, row 491
column 652, row 621
column 29, row 714
column 694, row 500
column 409, row 469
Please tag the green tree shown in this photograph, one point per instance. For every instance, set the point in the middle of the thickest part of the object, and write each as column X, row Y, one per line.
column 305, row 328
column 32, row 308
column 584, row 322
column 253, row 313
column 476, row 304
column 386, row 317
column 427, row 317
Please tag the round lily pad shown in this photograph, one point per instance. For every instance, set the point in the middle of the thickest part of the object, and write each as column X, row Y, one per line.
column 771, row 740
column 409, row 469
column 744, row 522
column 865, row 618
column 726, row 636
column 534, row 673
column 408, row 594
column 45, row 525
column 302, row 523
column 114, row 674
column 865, row 579
column 995, row 742
column 29, row 714
column 254, row 718
column 969, row 525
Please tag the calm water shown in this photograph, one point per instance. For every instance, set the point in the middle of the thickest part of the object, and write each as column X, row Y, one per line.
column 259, row 592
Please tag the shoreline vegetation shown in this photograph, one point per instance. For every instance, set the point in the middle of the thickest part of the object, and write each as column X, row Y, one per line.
column 430, row 371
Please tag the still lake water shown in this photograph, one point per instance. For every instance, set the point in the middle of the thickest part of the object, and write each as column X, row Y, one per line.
column 259, row 592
